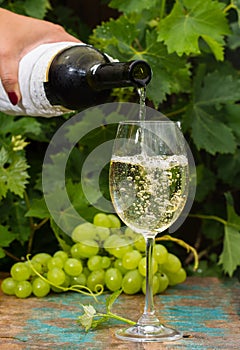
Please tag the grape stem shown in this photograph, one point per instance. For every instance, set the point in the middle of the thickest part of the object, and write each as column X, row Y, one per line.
column 33, row 226
column 11, row 255
column 182, row 244
column 109, row 314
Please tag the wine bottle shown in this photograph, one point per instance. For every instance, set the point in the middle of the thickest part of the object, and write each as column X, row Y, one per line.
column 82, row 76
column 60, row 77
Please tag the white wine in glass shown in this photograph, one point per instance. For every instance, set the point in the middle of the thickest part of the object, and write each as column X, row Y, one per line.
column 149, row 182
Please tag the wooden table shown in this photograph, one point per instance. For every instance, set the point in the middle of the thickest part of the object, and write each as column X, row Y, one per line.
column 206, row 310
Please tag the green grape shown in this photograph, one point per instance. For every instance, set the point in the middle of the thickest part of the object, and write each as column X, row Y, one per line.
column 177, row 277
column 113, row 279
column 73, row 267
column 8, row 286
column 40, row 288
column 41, row 258
column 172, row 264
column 34, row 265
column 160, row 253
column 131, row 259
column 55, row 262
column 23, row 289
column 94, row 278
column 115, row 222
column 106, row 262
column 163, row 282
column 94, row 263
column 56, row 276
column 110, row 242
column 118, row 264
column 130, row 233
column 155, row 285
column 65, row 284
column 83, row 231
column 101, row 219
column 132, row 282
column 79, row 280
column 86, row 271
column 75, row 251
column 84, row 249
column 20, row 271
column 102, row 233
column 61, row 254
column 140, row 244
column 142, row 266
column 119, row 247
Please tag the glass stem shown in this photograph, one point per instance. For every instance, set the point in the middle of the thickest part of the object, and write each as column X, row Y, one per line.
column 148, row 317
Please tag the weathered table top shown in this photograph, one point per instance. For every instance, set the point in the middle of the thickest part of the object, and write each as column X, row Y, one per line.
column 206, row 310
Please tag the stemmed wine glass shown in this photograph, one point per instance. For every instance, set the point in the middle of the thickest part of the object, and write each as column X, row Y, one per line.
column 149, row 181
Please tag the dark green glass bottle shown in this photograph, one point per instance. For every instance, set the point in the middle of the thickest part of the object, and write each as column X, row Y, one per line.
column 82, row 76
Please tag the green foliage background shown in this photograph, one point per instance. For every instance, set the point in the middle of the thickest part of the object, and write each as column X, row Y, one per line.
column 193, row 48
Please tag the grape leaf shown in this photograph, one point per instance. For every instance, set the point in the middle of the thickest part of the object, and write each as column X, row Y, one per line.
column 211, row 134
column 13, row 174
column 219, row 88
column 23, row 125
column 170, row 73
column 132, row 5
column 112, row 298
column 229, row 168
column 19, row 223
column 116, row 37
column 230, row 256
column 233, row 110
column 6, row 236
column 86, row 320
column 209, row 129
column 191, row 20
column 233, row 217
column 38, row 11
column 38, row 209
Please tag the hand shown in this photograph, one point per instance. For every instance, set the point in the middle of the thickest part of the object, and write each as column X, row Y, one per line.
column 19, row 35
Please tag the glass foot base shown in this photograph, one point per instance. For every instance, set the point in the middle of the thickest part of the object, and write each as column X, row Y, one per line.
column 139, row 333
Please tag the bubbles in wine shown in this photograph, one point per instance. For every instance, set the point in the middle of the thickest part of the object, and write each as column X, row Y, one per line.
column 149, row 192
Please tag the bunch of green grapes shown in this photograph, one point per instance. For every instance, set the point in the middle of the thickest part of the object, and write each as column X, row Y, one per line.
column 101, row 255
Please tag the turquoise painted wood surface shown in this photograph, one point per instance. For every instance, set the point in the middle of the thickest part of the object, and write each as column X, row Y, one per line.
column 206, row 310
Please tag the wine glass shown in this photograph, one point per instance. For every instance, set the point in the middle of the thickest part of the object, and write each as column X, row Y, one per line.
column 149, row 181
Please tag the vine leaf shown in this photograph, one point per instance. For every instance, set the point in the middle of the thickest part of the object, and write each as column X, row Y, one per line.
column 211, row 134
column 230, row 257
column 13, row 174
column 191, row 20
column 91, row 318
column 213, row 93
column 86, row 319
column 38, row 11
column 132, row 5
column 112, row 298
column 6, row 238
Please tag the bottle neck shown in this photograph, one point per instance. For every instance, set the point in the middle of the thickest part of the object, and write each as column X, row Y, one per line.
column 119, row 74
